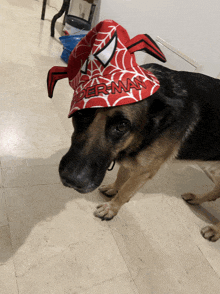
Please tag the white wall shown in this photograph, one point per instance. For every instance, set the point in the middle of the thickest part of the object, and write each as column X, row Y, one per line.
column 82, row 9
column 191, row 26
column 54, row 3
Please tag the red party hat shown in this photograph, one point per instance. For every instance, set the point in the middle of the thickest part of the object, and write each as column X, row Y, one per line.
column 102, row 69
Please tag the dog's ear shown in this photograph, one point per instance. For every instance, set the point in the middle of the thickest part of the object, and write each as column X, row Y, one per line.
column 162, row 111
column 157, row 106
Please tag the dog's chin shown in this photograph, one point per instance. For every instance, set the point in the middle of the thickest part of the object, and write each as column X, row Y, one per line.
column 84, row 190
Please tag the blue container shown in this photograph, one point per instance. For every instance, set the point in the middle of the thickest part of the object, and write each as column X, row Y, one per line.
column 69, row 43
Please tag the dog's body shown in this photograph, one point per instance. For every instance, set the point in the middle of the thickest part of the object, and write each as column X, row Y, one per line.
column 181, row 120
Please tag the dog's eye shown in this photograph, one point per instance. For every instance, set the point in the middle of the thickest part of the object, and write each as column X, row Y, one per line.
column 122, row 127
column 117, row 126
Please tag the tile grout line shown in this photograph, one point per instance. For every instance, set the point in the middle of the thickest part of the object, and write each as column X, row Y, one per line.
column 99, row 284
column 196, row 244
column 12, row 249
column 209, row 264
column 124, row 259
column 20, row 187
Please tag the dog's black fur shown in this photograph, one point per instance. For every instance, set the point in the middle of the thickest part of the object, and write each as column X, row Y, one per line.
column 184, row 99
column 196, row 100
column 185, row 110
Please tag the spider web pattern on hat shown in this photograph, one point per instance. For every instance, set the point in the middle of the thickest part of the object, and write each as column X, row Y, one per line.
column 102, row 68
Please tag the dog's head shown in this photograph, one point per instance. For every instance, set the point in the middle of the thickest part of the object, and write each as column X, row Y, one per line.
column 100, row 137
column 103, row 72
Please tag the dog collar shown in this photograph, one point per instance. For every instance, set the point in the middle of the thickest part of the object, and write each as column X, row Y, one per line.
column 103, row 71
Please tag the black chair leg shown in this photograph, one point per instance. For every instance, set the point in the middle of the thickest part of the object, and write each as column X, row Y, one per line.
column 43, row 9
column 66, row 12
column 91, row 14
column 64, row 8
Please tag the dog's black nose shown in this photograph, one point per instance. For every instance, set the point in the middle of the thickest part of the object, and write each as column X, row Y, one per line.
column 78, row 181
column 68, row 183
column 69, row 180
column 82, row 173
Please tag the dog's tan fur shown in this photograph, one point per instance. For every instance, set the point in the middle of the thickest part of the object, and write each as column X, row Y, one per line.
column 212, row 169
column 133, row 174
column 181, row 120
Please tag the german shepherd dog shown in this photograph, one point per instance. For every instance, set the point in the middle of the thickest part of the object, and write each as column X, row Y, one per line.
column 181, row 120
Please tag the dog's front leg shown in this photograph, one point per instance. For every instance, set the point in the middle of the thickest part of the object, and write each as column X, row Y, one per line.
column 142, row 168
column 108, row 210
column 112, row 189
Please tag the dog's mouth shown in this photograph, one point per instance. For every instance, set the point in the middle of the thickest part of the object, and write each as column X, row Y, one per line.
column 89, row 188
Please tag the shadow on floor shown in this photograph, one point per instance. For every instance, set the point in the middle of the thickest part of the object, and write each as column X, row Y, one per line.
column 34, row 194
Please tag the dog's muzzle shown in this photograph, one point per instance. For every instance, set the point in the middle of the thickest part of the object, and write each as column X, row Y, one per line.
column 83, row 173
column 79, row 182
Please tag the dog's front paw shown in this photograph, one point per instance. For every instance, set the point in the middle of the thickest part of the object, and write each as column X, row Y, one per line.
column 211, row 233
column 191, row 198
column 106, row 211
column 108, row 190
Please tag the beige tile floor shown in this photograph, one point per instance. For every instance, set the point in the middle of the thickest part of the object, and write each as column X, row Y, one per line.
column 50, row 242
